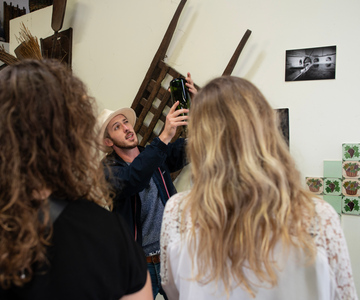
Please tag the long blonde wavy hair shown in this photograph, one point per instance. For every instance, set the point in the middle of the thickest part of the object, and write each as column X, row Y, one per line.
column 247, row 194
column 48, row 134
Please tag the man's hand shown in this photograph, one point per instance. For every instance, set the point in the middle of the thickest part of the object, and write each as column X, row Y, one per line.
column 174, row 119
column 190, row 85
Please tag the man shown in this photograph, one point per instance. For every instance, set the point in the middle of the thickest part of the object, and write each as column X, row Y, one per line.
column 140, row 177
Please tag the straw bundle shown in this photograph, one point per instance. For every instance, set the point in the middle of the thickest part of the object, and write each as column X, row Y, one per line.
column 29, row 45
column 28, row 48
column 7, row 58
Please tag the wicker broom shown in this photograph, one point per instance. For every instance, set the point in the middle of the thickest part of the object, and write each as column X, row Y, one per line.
column 29, row 45
column 7, row 58
column 28, row 49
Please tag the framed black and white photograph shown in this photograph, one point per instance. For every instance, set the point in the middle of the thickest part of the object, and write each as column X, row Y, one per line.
column 310, row 64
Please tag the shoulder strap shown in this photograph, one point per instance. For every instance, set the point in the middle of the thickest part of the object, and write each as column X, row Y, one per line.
column 57, row 205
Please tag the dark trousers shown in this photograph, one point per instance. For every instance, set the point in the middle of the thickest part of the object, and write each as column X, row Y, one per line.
column 154, row 270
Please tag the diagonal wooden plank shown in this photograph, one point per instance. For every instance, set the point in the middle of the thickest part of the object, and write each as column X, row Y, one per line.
column 231, row 65
column 160, row 54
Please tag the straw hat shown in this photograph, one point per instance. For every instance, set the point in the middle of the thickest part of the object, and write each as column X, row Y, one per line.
column 105, row 117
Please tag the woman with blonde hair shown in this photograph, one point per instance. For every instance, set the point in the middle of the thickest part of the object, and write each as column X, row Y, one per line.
column 56, row 239
column 248, row 228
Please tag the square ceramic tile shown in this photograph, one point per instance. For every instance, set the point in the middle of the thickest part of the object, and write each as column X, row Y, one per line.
column 335, row 202
column 351, row 169
column 350, row 205
column 350, row 187
column 332, row 168
column 332, row 186
column 315, row 184
column 351, row 151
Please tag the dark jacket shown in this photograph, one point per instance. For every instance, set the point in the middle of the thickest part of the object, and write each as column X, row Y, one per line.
column 157, row 160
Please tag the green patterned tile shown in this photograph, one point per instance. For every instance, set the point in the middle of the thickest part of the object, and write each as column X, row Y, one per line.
column 332, row 186
column 350, row 205
column 351, row 151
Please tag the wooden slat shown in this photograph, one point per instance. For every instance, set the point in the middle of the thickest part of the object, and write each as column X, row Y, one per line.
column 231, row 65
column 152, row 89
column 151, row 98
column 160, row 54
column 157, row 114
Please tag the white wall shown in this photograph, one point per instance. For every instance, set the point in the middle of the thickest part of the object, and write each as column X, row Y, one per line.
column 115, row 41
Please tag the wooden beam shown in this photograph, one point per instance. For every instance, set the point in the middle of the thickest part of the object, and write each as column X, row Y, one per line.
column 231, row 65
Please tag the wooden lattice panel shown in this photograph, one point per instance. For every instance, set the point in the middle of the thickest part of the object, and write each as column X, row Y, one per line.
column 155, row 104
column 153, row 101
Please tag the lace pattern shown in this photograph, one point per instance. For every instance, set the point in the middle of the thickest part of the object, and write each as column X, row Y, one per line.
column 330, row 237
column 170, row 229
column 326, row 230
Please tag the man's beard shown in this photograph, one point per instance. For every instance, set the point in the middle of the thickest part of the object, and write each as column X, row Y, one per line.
column 123, row 145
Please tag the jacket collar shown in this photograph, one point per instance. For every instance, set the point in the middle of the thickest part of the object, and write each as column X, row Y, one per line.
column 114, row 158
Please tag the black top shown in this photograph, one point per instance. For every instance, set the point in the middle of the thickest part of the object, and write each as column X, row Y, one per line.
column 92, row 256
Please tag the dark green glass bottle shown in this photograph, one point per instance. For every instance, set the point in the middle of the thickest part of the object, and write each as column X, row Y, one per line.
column 180, row 92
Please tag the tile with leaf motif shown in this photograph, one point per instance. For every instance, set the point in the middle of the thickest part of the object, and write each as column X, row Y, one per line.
column 350, row 205
column 350, row 187
column 332, row 186
column 351, row 151
column 351, row 169
column 315, row 184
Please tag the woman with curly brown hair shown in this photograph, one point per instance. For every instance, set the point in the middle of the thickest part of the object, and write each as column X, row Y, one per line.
column 248, row 228
column 56, row 241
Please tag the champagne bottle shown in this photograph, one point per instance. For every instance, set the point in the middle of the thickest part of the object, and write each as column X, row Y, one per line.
column 180, row 92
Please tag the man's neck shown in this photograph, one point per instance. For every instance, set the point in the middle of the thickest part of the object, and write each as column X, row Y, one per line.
column 128, row 155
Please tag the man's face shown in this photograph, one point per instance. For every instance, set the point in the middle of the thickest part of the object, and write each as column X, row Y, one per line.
column 121, row 133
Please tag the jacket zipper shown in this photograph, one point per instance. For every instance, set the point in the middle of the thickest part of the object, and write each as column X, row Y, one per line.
column 135, row 220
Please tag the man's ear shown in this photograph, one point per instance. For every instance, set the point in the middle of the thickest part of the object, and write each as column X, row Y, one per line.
column 108, row 142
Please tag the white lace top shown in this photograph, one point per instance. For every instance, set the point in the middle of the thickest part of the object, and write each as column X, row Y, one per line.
column 330, row 277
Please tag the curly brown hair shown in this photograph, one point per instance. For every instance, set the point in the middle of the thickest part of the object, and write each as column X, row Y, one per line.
column 48, row 142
